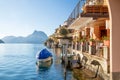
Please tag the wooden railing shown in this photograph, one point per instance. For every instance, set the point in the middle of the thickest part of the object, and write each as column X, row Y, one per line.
column 95, row 9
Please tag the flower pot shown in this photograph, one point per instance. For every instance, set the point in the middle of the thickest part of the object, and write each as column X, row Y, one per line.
column 107, row 43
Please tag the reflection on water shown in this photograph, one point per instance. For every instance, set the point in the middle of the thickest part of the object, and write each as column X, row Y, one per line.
column 57, row 52
column 18, row 62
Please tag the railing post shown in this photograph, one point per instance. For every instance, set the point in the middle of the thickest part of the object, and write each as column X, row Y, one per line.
column 65, row 46
column 105, row 52
column 64, row 52
column 81, row 49
column 92, row 49
column 107, row 57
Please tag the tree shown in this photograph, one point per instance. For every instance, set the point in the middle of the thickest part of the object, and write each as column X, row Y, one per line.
column 64, row 31
column 50, row 40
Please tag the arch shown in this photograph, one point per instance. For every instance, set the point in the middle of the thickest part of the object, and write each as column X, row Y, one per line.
column 114, row 12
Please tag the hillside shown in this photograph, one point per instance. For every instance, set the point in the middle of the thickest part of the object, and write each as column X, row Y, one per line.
column 35, row 37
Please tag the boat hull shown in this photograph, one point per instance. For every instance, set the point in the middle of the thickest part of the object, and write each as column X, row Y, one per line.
column 44, row 62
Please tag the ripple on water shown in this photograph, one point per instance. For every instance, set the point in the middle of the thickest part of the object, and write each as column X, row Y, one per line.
column 17, row 62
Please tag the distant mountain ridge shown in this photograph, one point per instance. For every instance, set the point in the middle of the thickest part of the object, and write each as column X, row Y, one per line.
column 1, row 41
column 35, row 37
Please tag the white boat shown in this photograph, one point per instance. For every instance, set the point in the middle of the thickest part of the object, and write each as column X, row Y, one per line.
column 44, row 58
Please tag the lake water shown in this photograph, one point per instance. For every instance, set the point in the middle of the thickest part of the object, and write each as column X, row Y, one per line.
column 18, row 62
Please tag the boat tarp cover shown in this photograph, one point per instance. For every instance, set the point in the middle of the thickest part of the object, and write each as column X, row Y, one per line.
column 43, row 54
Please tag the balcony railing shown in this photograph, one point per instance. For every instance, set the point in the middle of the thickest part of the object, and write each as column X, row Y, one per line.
column 95, row 10
column 76, row 12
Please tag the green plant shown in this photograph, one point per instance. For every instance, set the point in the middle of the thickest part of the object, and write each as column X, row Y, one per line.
column 78, row 39
column 82, row 40
column 100, row 41
column 91, row 39
column 64, row 31
column 50, row 40
column 105, row 38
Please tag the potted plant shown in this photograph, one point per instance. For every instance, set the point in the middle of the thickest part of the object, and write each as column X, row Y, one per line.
column 82, row 41
column 63, row 33
column 106, row 41
column 92, row 41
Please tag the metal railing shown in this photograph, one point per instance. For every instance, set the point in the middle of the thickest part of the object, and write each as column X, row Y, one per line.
column 76, row 12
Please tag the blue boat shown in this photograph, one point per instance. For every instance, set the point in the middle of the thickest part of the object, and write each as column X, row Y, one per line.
column 44, row 58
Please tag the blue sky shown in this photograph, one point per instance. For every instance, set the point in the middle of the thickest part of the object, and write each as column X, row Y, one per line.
column 22, row 17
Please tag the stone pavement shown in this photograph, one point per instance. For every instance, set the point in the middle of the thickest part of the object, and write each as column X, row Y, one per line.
column 84, row 74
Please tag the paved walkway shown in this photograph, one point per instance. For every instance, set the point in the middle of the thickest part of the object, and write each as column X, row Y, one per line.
column 84, row 74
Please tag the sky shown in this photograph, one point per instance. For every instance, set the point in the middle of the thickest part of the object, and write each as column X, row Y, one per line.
column 22, row 17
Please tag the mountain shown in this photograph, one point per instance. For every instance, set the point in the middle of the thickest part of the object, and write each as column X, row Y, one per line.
column 35, row 37
column 1, row 41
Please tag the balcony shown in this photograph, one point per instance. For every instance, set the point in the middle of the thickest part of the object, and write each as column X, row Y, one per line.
column 95, row 11
column 83, row 9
